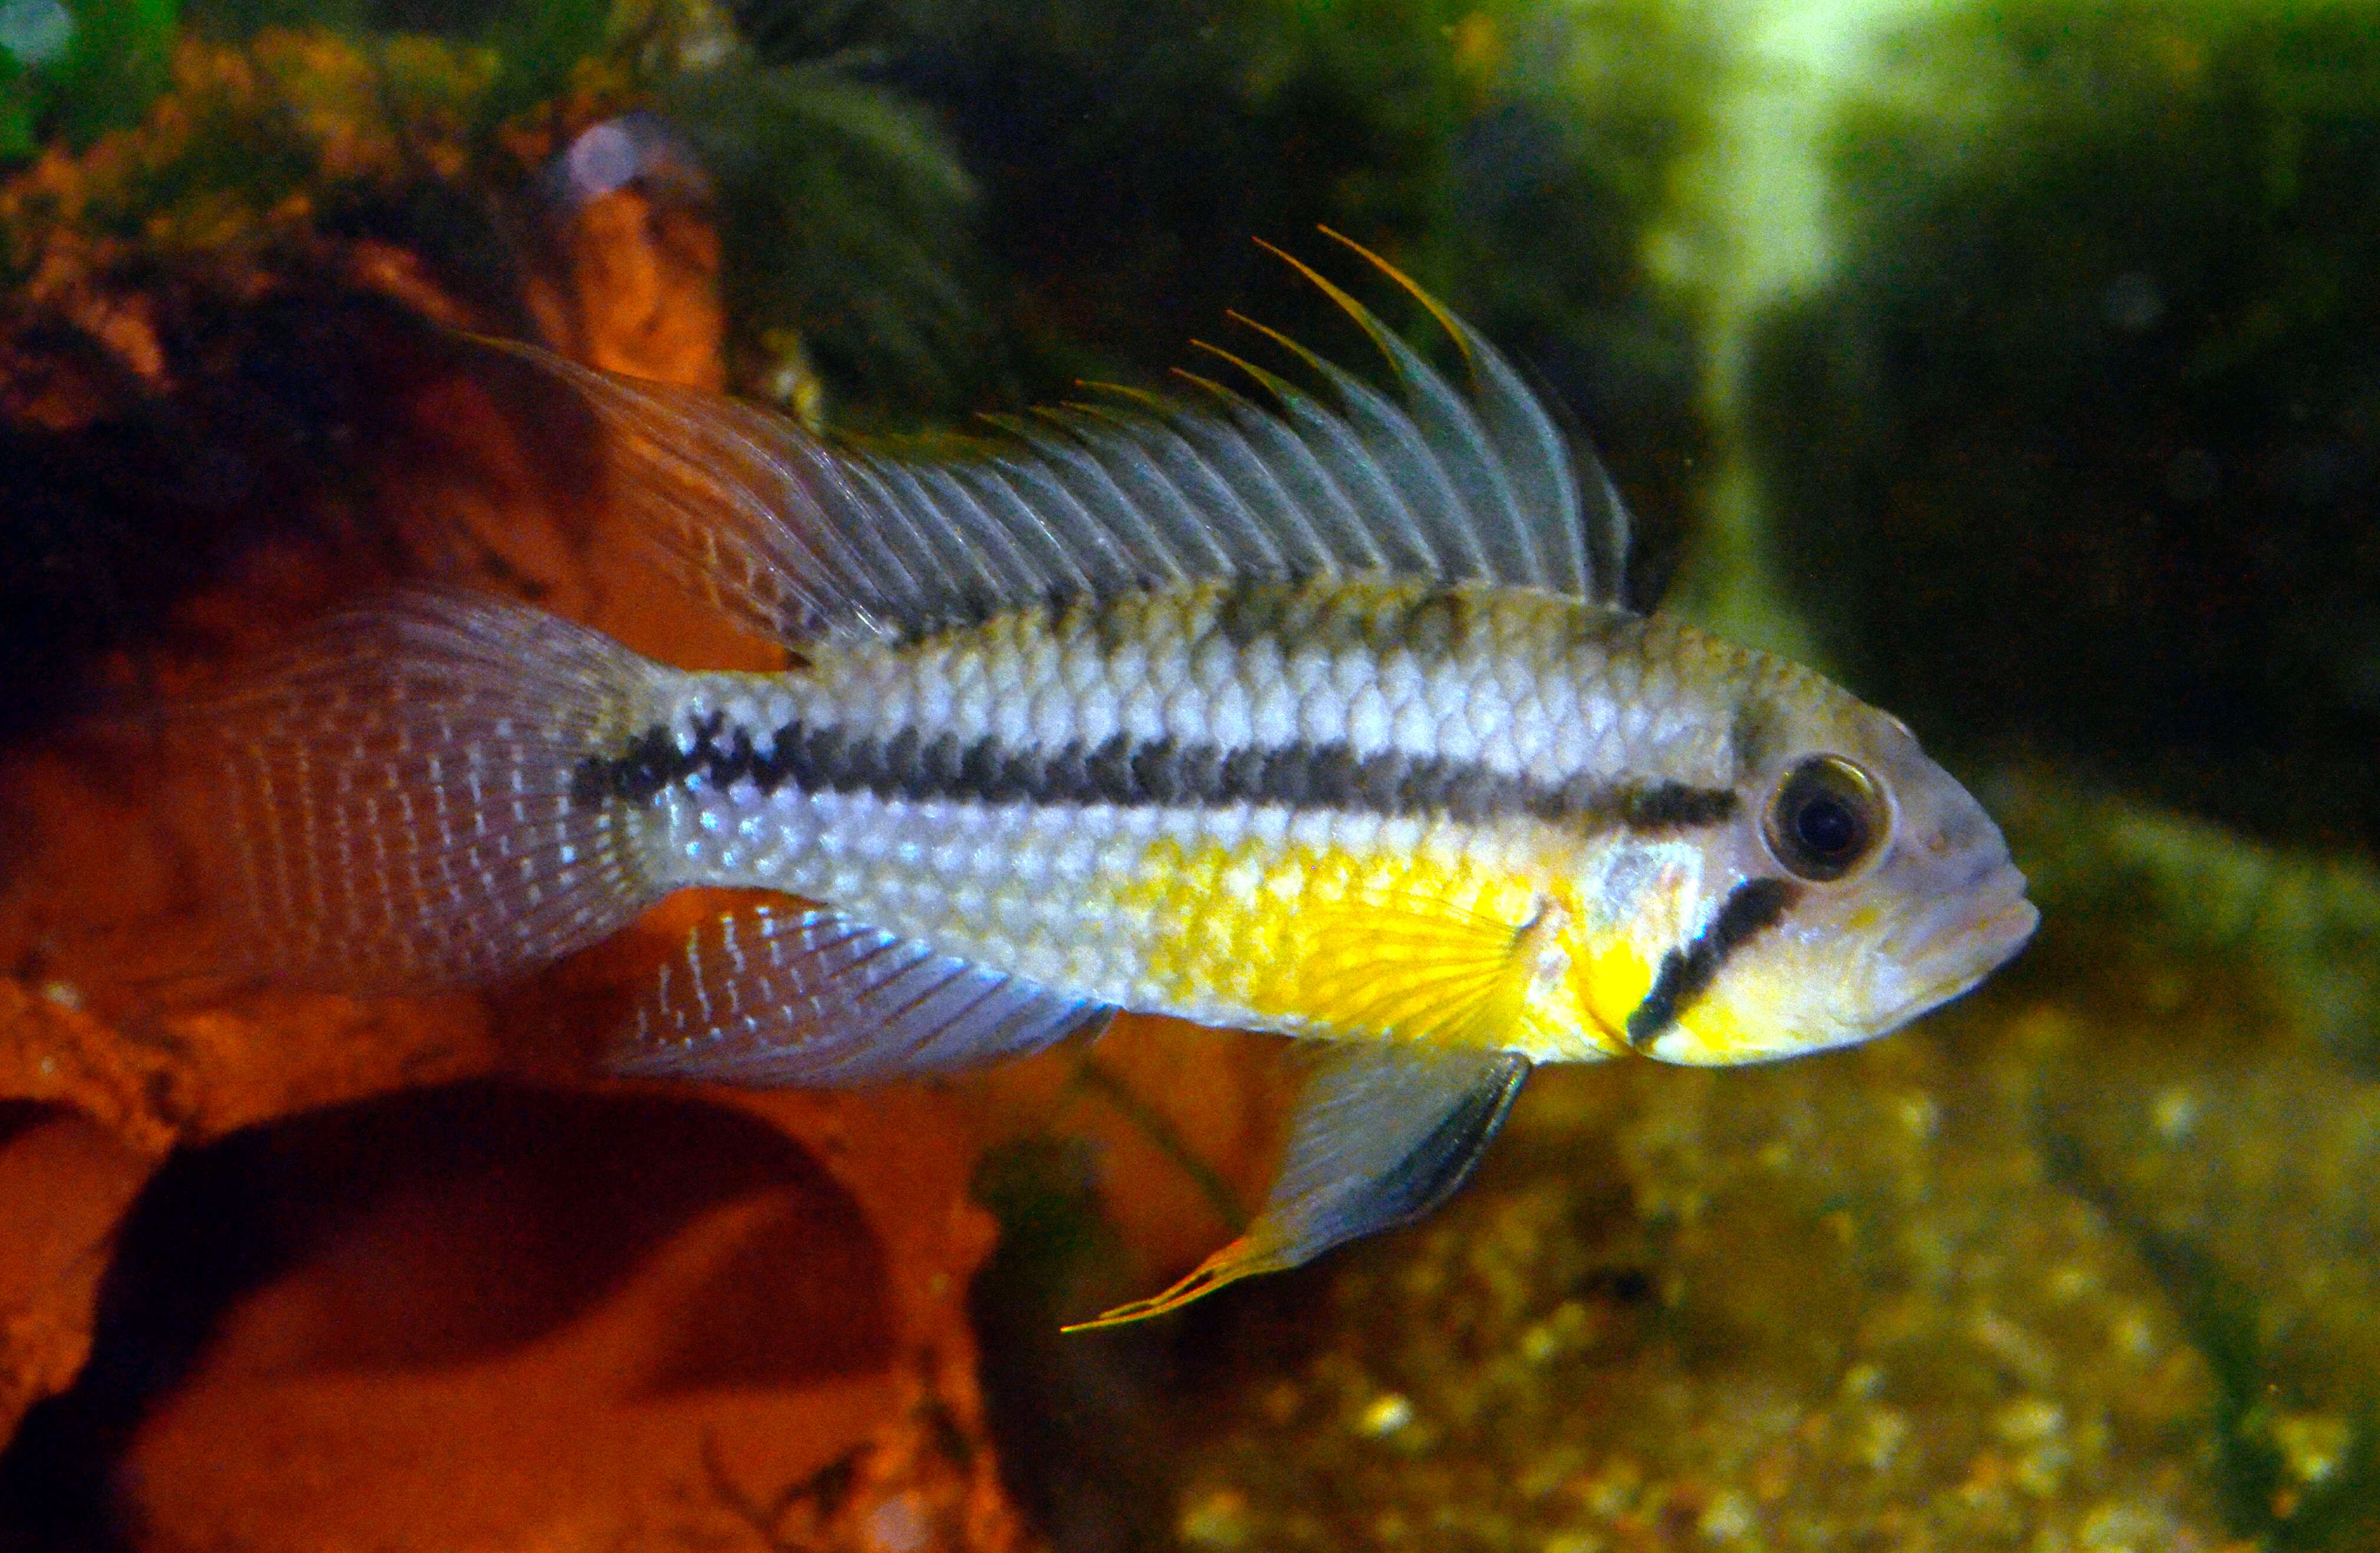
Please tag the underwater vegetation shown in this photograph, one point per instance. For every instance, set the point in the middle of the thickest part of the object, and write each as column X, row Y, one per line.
column 2068, row 459
column 2097, row 360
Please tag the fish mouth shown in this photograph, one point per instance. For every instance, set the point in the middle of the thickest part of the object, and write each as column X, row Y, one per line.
column 2007, row 930
column 1970, row 932
column 1959, row 939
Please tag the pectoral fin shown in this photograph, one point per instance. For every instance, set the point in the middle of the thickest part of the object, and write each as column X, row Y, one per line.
column 1382, row 1134
column 1416, row 973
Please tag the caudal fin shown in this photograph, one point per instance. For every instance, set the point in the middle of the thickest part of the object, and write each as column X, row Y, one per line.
column 393, row 801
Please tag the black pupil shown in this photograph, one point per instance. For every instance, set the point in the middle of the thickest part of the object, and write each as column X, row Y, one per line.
column 1827, row 826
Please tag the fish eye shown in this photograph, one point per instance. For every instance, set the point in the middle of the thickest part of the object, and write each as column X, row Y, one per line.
column 1829, row 816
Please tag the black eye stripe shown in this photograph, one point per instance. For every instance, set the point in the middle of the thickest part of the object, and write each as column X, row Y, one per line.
column 1751, row 908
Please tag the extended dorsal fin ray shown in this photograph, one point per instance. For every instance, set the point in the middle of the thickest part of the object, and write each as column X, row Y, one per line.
column 801, row 539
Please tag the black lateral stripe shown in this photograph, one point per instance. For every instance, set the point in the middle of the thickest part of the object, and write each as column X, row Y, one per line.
column 1673, row 806
column 1751, row 908
column 1120, row 770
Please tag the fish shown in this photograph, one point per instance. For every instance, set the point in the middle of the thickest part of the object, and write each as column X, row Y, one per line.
column 1292, row 699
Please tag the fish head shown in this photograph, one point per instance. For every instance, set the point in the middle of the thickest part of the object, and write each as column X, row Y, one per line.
column 1857, row 885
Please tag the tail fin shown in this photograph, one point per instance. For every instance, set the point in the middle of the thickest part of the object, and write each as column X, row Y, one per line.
column 393, row 800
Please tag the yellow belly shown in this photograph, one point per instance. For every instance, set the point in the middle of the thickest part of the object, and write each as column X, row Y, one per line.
column 1433, row 943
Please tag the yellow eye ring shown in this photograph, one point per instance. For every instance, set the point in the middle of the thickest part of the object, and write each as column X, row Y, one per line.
column 1826, row 818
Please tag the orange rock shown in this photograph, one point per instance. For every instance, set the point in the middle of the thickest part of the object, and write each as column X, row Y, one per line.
column 494, row 1299
column 64, row 1182
column 527, row 1319
column 639, row 292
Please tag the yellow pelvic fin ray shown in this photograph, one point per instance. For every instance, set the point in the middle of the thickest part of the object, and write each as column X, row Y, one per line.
column 1228, row 1266
column 1383, row 1133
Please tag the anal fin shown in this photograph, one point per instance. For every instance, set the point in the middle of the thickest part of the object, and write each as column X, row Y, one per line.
column 1382, row 1134
column 788, row 994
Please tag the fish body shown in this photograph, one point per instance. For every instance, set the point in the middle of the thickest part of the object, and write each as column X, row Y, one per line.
column 1324, row 716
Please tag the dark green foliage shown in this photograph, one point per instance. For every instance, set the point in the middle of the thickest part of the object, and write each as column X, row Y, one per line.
column 272, row 148
column 230, row 20
column 552, row 29
column 959, row 203
column 1126, row 152
column 1076, row 1417
column 2340, row 1514
column 2083, row 449
column 844, row 212
column 71, row 70
column 539, row 42
column 843, row 205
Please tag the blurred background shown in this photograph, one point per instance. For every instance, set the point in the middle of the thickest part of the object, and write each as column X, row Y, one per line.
column 2018, row 364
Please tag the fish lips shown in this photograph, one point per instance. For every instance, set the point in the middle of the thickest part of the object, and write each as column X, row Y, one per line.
column 1955, row 942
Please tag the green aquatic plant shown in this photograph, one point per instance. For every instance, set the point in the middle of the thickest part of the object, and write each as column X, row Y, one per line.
column 2294, row 1485
column 75, row 71
column 845, row 213
column 284, row 130
column 948, row 201
column 2097, row 358
column 1506, row 153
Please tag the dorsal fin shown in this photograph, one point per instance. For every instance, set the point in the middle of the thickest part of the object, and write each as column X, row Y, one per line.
column 801, row 539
